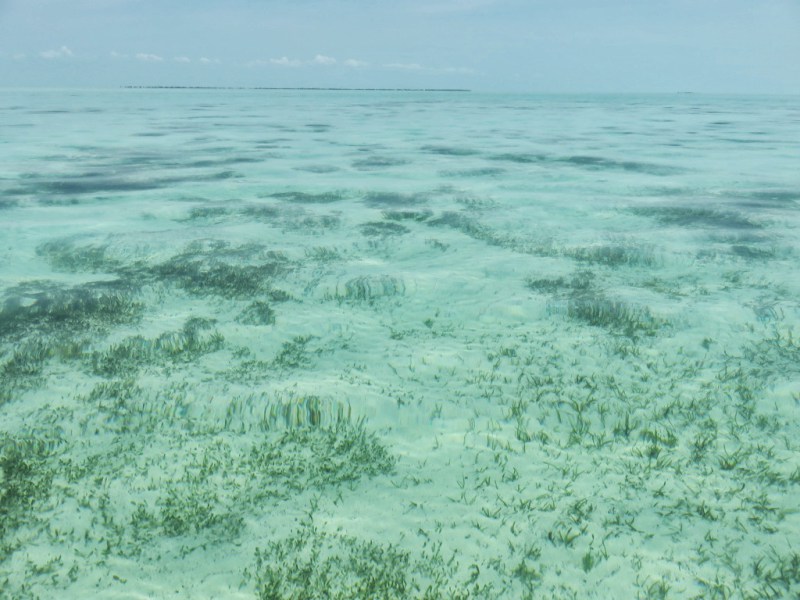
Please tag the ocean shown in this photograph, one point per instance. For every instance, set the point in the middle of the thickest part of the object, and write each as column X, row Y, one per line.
column 264, row 344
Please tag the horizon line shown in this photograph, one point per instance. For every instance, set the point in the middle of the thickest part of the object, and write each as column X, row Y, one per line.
column 312, row 89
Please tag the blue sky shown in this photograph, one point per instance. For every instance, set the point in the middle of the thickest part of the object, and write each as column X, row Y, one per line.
column 491, row 45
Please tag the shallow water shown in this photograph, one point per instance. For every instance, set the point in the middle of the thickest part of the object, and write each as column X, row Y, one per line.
column 397, row 344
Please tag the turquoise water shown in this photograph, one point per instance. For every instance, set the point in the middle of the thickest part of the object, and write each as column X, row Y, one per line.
column 277, row 344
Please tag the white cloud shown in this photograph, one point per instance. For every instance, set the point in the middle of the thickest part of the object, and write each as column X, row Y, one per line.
column 115, row 54
column 149, row 57
column 352, row 62
column 209, row 61
column 19, row 56
column 407, row 66
column 462, row 70
column 62, row 52
column 321, row 59
column 285, row 62
column 182, row 59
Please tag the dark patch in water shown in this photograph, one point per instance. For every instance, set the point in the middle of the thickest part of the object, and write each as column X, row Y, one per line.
column 594, row 163
column 767, row 198
column 407, row 215
column 600, row 163
column 257, row 312
column 93, row 185
column 207, row 212
column 520, row 158
column 581, row 281
column 44, row 307
column 392, row 199
column 204, row 273
column 318, row 169
column 612, row 255
column 695, row 217
column 484, row 172
column 219, row 176
column 751, row 253
column 308, row 198
column 96, row 182
column 378, row 162
column 261, row 212
column 382, row 229
column 311, row 223
column 233, row 160
column 449, row 150
column 318, row 127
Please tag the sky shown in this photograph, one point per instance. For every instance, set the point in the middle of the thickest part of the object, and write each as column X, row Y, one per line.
column 550, row 46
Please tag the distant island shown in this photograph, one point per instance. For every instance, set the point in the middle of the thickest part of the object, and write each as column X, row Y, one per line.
column 307, row 89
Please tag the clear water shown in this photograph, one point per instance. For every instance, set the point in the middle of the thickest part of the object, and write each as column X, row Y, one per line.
column 290, row 344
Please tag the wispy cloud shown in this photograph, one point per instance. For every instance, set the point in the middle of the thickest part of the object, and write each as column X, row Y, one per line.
column 62, row 52
column 461, row 70
column 285, row 62
column 149, row 57
column 115, row 54
column 182, row 59
column 406, row 66
column 321, row 59
column 209, row 61
column 19, row 56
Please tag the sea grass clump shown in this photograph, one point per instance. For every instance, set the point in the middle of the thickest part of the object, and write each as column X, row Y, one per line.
column 309, row 198
column 616, row 316
column 196, row 338
column 25, row 479
column 312, row 564
column 382, row 229
column 614, row 255
column 689, row 216
column 370, row 288
column 45, row 308
column 257, row 312
column 309, row 458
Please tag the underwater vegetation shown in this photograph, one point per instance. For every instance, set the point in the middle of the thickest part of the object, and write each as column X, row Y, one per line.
column 305, row 411
column 579, row 299
column 580, row 281
column 97, row 182
column 369, row 288
column 25, row 480
column 614, row 255
column 257, row 312
column 313, row 564
column 309, row 198
column 593, row 163
column 685, row 216
column 46, row 308
column 478, row 172
column 393, row 199
column 195, row 338
column 382, row 229
column 202, row 268
column 407, row 215
column 448, row 150
column 203, row 271
column 377, row 162
column 310, row 457
column 614, row 315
